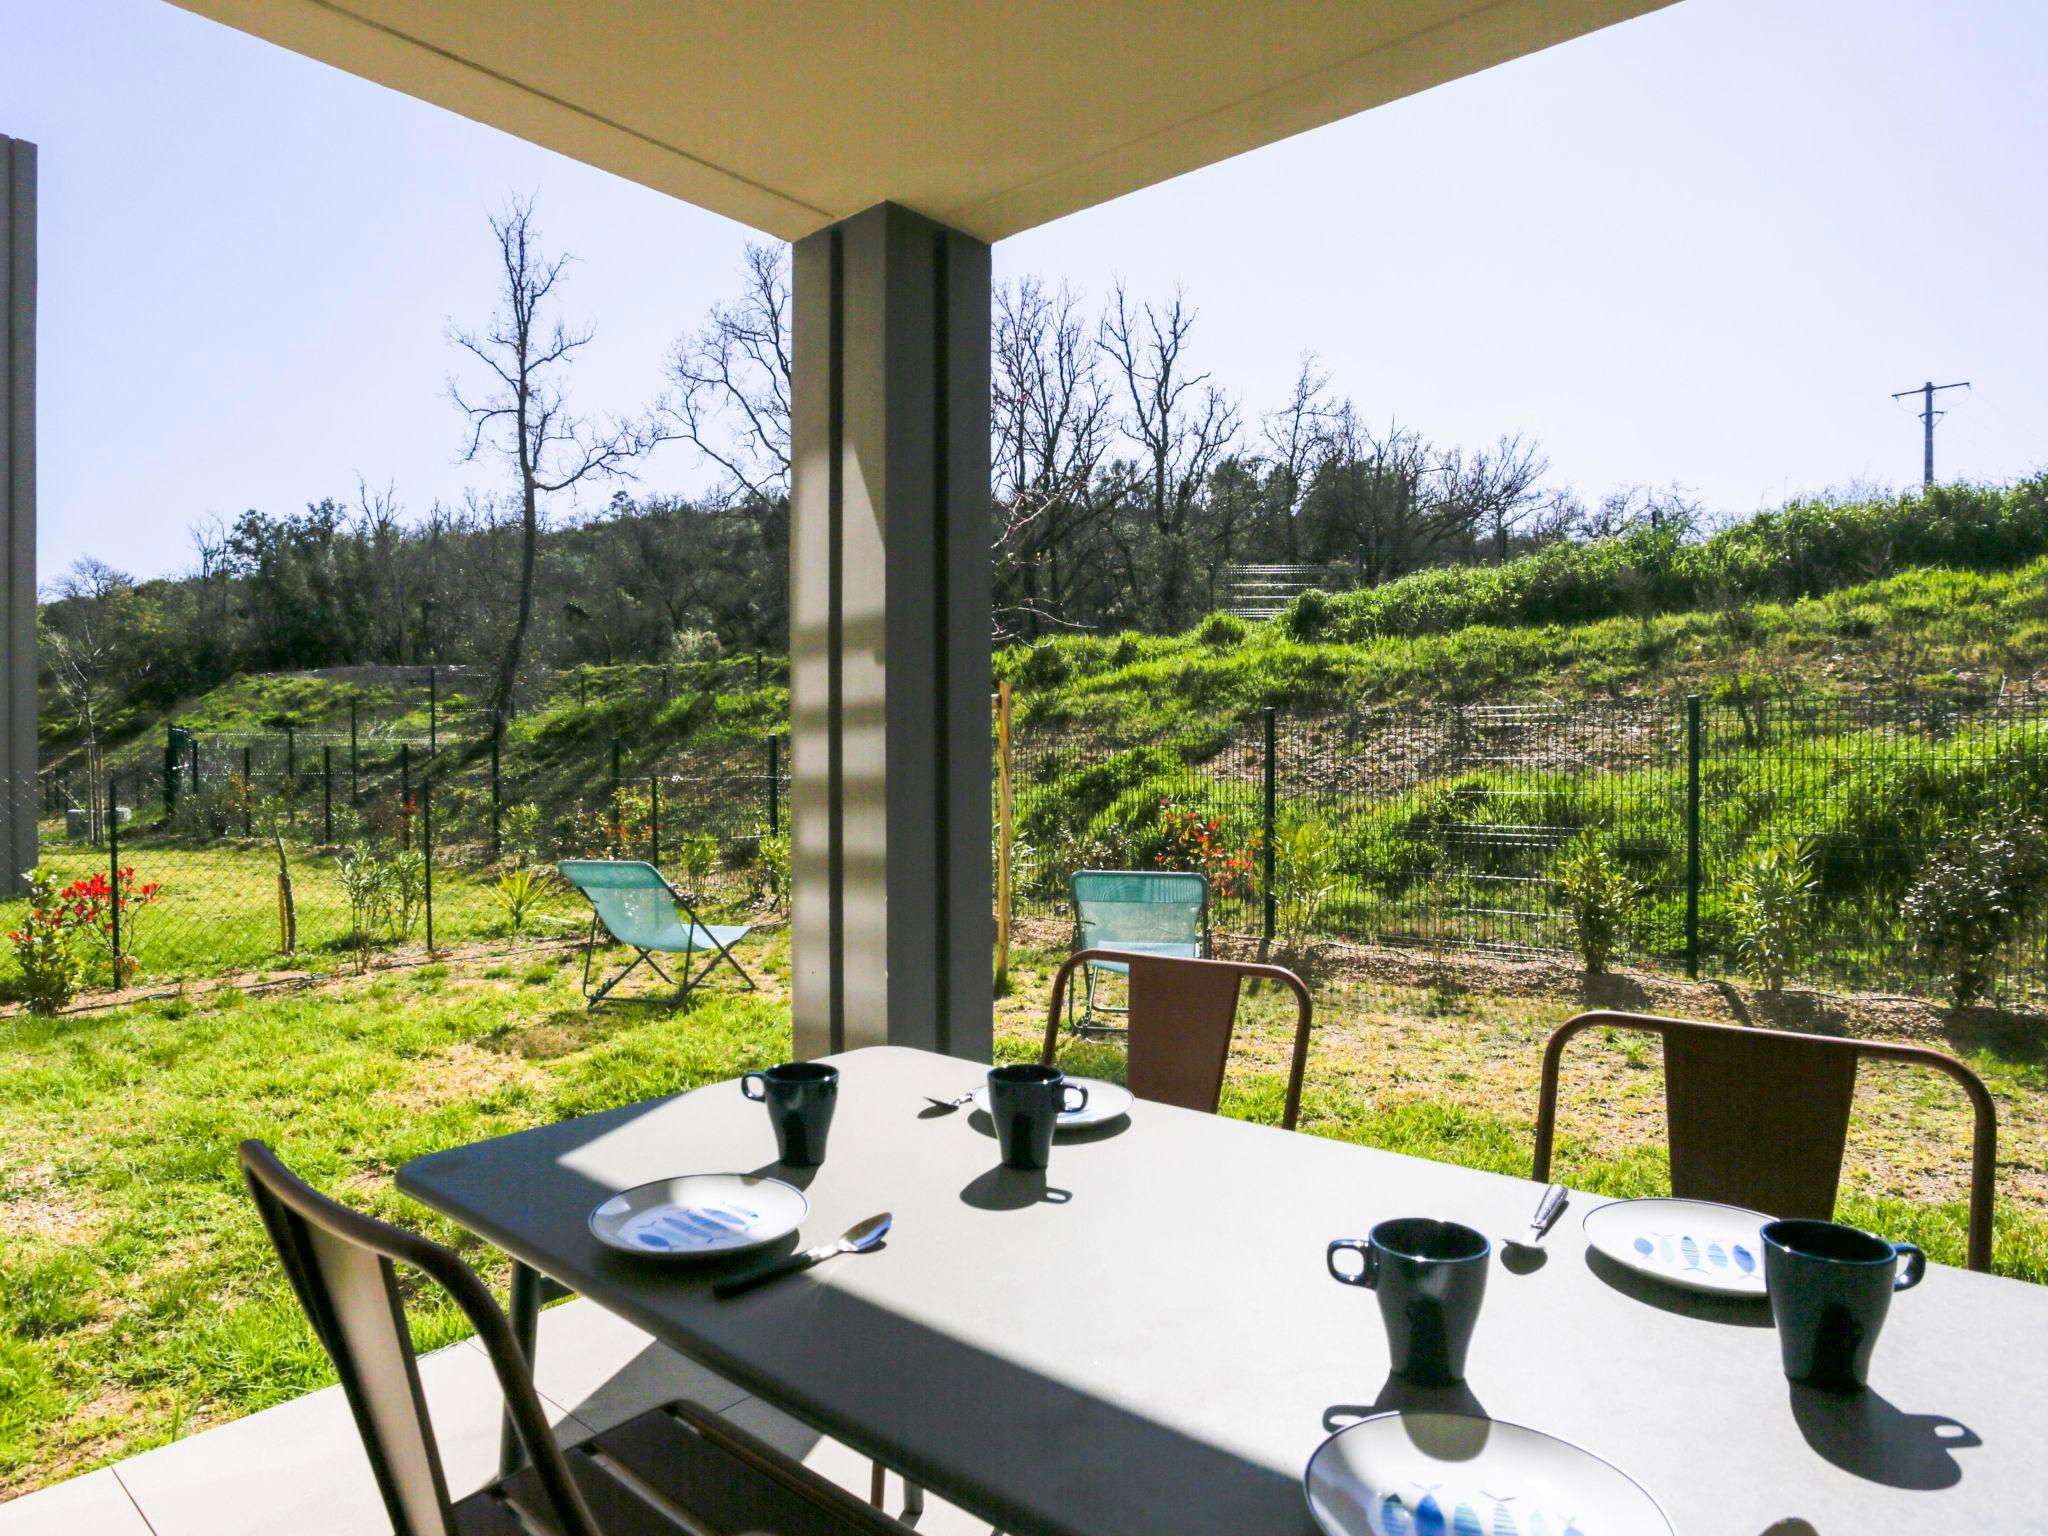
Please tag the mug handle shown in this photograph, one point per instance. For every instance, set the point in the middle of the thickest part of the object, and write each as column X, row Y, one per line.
column 1368, row 1258
column 1078, row 1104
column 747, row 1082
column 1915, row 1269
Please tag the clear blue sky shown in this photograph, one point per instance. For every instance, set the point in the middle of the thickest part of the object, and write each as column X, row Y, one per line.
column 1700, row 248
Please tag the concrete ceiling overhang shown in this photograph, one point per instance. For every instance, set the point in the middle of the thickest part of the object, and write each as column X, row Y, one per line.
column 989, row 115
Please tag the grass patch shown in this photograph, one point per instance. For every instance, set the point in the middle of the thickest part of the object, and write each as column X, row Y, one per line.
column 139, row 1301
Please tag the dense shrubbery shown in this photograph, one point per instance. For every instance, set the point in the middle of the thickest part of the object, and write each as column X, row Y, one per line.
column 1807, row 548
column 1976, row 895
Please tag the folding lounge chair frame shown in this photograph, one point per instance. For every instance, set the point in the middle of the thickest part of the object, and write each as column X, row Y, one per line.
column 637, row 906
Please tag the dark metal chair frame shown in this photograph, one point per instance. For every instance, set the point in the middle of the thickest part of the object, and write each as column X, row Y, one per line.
column 1760, row 1117
column 1181, row 1017
column 341, row 1267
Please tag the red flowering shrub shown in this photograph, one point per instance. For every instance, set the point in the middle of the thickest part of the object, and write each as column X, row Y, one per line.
column 88, row 906
column 1208, row 845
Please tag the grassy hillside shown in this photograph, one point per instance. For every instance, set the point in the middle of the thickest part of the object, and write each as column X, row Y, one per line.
column 1925, row 631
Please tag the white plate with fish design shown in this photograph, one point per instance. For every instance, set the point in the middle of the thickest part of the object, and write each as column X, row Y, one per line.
column 1404, row 1474
column 1696, row 1244
column 699, row 1215
column 1106, row 1101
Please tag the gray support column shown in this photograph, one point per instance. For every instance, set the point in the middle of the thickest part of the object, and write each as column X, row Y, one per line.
column 18, row 850
column 892, row 917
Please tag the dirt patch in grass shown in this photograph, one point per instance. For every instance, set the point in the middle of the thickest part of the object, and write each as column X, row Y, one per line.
column 33, row 1206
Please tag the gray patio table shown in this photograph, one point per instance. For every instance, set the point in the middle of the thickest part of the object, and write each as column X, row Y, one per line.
column 1143, row 1341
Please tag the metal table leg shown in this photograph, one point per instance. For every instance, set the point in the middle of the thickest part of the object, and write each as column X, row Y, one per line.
column 525, row 1320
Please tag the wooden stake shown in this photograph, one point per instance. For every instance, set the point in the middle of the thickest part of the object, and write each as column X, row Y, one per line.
column 1002, row 837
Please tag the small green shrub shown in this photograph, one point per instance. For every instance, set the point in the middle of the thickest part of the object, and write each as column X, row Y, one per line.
column 1975, row 895
column 1773, row 907
column 46, row 948
column 1304, row 873
column 1308, row 616
column 1598, row 892
column 775, row 868
column 1221, row 631
column 699, row 856
column 518, row 892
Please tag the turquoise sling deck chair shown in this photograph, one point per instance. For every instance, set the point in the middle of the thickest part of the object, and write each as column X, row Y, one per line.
column 1139, row 911
column 639, row 909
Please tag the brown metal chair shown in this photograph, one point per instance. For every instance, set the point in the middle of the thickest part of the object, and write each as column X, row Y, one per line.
column 685, row 1471
column 1181, row 1016
column 1759, row 1117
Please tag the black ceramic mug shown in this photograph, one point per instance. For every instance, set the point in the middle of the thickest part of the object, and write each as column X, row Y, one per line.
column 1025, row 1103
column 800, row 1096
column 1430, row 1276
column 1830, row 1289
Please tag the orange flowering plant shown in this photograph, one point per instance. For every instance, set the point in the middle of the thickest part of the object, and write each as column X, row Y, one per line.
column 1208, row 845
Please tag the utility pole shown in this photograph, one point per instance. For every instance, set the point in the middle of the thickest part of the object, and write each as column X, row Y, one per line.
column 1928, row 417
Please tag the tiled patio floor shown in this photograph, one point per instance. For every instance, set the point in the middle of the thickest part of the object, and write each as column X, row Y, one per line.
column 299, row 1467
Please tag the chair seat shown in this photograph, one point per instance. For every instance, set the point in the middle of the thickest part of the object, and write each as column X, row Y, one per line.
column 688, row 939
column 1172, row 949
column 679, row 1459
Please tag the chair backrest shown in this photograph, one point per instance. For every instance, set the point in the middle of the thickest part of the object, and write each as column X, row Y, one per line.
column 1760, row 1117
column 339, row 1263
column 1182, row 1013
column 1114, row 907
column 631, row 898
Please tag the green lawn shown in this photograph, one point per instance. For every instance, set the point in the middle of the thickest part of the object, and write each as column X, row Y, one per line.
column 138, row 1300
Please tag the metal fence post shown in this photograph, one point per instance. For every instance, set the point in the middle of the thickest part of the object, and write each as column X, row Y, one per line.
column 170, row 770
column 1692, row 835
column 327, row 792
column 405, row 794
column 1272, row 785
column 114, row 874
column 497, row 799
column 654, row 818
column 355, row 796
column 248, row 791
column 774, row 782
column 433, row 709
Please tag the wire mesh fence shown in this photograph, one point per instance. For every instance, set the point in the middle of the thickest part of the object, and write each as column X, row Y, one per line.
column 1445, row 828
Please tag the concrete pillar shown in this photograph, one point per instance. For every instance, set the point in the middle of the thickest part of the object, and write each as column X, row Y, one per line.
column 17, row 511
column 892, row 918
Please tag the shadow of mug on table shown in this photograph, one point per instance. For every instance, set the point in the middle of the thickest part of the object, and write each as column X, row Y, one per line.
column 1012, row 1189
column 1430, row 1277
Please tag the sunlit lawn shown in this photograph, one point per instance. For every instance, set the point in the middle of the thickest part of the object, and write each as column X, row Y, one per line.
column 138, row 1300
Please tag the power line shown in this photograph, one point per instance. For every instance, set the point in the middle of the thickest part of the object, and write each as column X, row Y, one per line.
column 1929, row 416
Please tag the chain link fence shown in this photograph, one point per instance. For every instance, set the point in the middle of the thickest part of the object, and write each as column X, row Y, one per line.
column 1444, row 828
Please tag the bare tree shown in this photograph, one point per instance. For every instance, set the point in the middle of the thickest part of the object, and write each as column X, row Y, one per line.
column 1296, row 437
column 1050, row 429
column 1182, row 427
column 1491, row 492
column 1181, row 422
column 732, row 378
column 523, row 415
column 81, row 640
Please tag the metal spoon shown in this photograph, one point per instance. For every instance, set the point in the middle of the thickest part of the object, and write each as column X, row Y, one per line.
column 1546, row 1212
column 859, row 1238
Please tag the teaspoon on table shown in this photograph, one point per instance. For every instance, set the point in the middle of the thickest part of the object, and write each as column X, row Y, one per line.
column 859, row 1238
